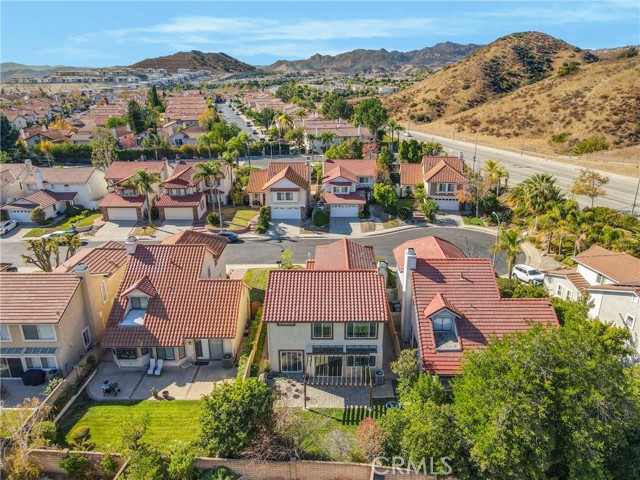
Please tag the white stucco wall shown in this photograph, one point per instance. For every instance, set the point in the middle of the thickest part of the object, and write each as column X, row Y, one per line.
column 551, row 283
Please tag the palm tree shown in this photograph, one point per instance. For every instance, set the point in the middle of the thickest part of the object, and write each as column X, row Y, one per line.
column 539, row 191
column 508, row 241
column 326, row 139
column 284, row 122
column 206, row 141
column 143, row 181
column 296, row 136
column 491, row 167
column 392, row 127
column 154, row 141
column 210, row 173
column 310, row 139
column 229, row 160
column 301, row 113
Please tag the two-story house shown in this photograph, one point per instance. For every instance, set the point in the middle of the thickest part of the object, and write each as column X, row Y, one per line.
column 182, row 198
column 343, row 255
column 123, row 202
column 55, row 189
column 214, row 243
column 609, row 280
column 172, row 306
column 326, row 324
column 345, row 186
column 12, row 177
column 451, row 304
column 442, row 177
column 284, row 187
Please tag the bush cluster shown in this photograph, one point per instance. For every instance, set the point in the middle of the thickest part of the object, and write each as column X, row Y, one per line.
column 263, row 220
column 319, row 217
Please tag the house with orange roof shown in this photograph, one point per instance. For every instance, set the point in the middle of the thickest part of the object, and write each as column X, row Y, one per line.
column 171, row 307
column 284, row 187
column 610, row 281
column 123, row 202
column 442, row 177
column 182, row 198
column 451, row 304
column 214, row 243
column 343, row 255
column 345, row 186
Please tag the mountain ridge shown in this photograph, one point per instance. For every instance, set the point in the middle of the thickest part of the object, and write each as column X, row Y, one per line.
column 196, row 60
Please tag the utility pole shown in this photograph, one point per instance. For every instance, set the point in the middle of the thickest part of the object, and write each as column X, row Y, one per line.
column 635, row 197
column 475, row 150
column 453, row 138
column 524, row 133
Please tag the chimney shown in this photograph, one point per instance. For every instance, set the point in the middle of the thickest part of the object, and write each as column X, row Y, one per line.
column 339, row 119
column 317, row 131
column 81, row 270
column 28, row 164
column 406, row 294
column 461, row 156
column 382, row 269
column 37, row 174
column 131, row 244
column 359, row 130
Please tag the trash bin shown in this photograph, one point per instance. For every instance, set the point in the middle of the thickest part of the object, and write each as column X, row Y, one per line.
column 379, row 377
column 227, row 361
column 54, row 373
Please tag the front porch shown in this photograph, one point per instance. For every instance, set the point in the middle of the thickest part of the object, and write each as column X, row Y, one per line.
column 182, row 383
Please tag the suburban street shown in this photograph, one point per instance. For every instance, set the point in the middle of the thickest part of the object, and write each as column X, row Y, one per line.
column 620, row 190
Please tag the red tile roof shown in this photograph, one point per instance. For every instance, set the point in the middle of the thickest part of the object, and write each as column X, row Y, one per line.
column 443, row 173
column 64, row 175
column 339, row 171
column 573, row 276
column 438, row 304
column 257, row 179
column 105, row 259
column 181, row 177
column 429, row 162
column 191, row 200
column 469, row 286
column 36, row 297
column 344, row 255
column 143, row 285
column 618, row 266
column 359, row 167
column 120, row 170
column 299, row 167
column 355, row 198
column 185, row 306
column 325, row 296
column 411, row 174
column 113, row 200
column 42, row 199
column 427, row 248
column 290, row 174
column 215, row 243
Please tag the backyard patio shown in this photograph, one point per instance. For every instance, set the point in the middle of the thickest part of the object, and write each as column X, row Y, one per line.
column 181, row 383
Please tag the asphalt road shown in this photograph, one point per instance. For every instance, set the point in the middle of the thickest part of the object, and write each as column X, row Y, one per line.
column 620, row 190
column 230, row 116
column 268, row 251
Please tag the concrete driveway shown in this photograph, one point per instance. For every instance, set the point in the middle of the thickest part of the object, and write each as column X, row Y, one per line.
column 117, row 231
column 170, row 227
column 285, row 228
column 344, row 226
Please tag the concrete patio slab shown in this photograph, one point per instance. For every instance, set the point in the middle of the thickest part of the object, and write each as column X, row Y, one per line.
column 127, row 380
column 117, row 231
column 18, row 392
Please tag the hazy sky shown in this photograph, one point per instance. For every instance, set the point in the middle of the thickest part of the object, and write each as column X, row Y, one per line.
column 101, row 33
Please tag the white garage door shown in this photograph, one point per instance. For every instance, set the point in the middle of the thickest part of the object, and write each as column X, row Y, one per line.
column 282, row 213
column 23, row 216
column 122, row 214
column 178, row 213
column 344, row 210
column 448, row 204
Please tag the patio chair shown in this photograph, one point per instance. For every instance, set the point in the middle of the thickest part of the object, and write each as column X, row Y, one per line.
column 152, row 366
column 159, row 367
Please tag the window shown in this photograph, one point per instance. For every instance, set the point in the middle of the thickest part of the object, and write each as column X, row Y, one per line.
column 340, row 189
column 291, row 361
column 563, row 292
column 139, row 303
column 40, row 362
column 361, row 361
column 176, row 191
column 166, row 353
column 601, row 279
column 443, row 324
column 38, row 332
column 284, row 196
column 362, row 330
column 364, row 180
column 629, row 321
column 322, row 330
column 66, row 187
column 103, row 292
column 446, row 187
column 181, row 352
column 144, row 351
column 5, row 336
column 86, row 337
column 126, row 353
column 128, row 192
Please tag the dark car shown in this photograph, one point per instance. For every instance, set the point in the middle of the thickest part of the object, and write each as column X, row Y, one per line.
column 230, row 236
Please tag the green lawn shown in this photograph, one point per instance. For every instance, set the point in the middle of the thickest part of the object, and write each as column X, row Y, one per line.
column 406, row 202
column 64, row 224
column 256, row 278
column 236, row 218
column 168, row 420
column 471, row 220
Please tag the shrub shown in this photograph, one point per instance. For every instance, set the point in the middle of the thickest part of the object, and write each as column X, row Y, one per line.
column 392, row 210
column 76, row 465
column 405, row 213
column 591, row 145
column 220, row 473
column 371, row 438
column 408, row 192
column 264, row 213
column 570, row 68
column 80, row 438
column 38, row 215
column 109, row 465
column 213, row 219
column 319, row 217
column 429, row 208
column 91, row 361
column 364, row 214
column 49, row 432
column 181, row 465
column 51, row 385
column 3, row 215
column 560, row 138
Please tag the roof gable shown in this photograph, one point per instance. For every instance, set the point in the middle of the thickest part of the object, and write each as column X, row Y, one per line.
column 618, row 266
column 344, row 255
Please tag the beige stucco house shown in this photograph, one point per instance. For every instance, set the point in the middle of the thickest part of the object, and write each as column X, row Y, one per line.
column 284, row 187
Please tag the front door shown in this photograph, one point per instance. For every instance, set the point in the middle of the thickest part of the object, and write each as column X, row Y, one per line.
column 202, row 349
column 15, row 367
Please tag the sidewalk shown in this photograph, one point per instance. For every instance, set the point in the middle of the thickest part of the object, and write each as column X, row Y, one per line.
column 537, row 260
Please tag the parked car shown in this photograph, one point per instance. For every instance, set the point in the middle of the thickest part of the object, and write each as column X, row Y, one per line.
column 255, row 132
column 59, row 233
column 527, row 274
column 407, row 134
column 8, row 267
column 230, row 236
column 6, row 227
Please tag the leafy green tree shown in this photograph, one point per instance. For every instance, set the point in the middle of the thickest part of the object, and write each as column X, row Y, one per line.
column 551, row 403
column 432, row 149
column 143, row 181
column 209, row 172
column 232, row 415
column 296, row 135
column 153, row 98
column 508, row 241
column 385, row 160
column 182, row 463
column 334, row 106
column 147, row 463
column 385, row 195
column 349, row 149
column 76, row 465
column 286, row 92
column 407, row 368
column 326, row 139
column 265, row 117
column 8, row 134
column 104, row 148
column 590, row 184
column 371, row 114
column 136, row 116
column 286, row 258
column 428, row 207
column 208, row 119
column 410, row 151
column 113, row 122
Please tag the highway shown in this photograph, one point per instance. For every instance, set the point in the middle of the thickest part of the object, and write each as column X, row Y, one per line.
column 620, row 190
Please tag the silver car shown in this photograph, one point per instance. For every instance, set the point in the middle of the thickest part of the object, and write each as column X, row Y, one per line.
column 6, row 227
column 527, row 274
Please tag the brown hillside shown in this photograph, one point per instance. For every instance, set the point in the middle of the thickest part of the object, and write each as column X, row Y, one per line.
column 195, row 60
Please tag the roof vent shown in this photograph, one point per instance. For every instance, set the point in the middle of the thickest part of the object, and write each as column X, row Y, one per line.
column 131, row 244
